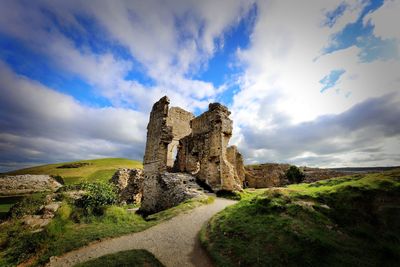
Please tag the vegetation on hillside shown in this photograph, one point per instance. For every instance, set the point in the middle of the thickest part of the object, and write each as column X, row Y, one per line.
column 347, row 221
column 96, row 170
column 6, row 203
column 129, row 258
column 76, row 223
column 294, row 175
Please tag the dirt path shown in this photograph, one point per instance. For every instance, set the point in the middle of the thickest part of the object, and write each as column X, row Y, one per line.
column 174, row 242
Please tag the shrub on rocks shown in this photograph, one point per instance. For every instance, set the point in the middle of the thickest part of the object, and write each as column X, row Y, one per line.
column 294, row 175
column 96, row 196
column 27, row 206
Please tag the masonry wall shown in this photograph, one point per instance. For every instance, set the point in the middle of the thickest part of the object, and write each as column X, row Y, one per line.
column 179, row 120
column 159, row 136
column 179, row 141
column 204, row 152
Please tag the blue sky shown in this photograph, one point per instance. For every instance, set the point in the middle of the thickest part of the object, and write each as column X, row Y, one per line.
column 78, row 79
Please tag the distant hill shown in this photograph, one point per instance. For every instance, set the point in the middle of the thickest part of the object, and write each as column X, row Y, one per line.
column 83, row 170
column 363, row 169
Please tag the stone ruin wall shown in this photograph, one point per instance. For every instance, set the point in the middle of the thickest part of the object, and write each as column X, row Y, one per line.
column 205, row 152
column 179, row 119
column 159, row 135
column 199, row 143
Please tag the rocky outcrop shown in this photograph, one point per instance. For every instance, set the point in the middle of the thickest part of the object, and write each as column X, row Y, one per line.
column 130, row 184
column 27, row 184
column 266, row 175
column 49, row 210
column 170, row 189
column 274, row 174
column 177, row 141
column 35, row 221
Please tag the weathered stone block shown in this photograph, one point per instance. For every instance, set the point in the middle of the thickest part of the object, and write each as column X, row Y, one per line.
column 167, row 190
column 130, row 184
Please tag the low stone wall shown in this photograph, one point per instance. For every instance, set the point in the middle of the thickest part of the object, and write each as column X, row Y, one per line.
column 273, row 175
column 27, row 184
column 266, row 175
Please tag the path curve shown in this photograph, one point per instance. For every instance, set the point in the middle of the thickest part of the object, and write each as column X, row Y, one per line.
column 173, row 242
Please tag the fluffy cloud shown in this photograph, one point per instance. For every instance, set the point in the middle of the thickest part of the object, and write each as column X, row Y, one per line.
column 40, row 125
column 384, row 20
column 168, row 44
column 302, row 96
column 284, row 113
column 371, row 125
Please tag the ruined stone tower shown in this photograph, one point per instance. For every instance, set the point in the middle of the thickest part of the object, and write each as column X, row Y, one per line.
column 166, row 127
column 204, row 152
column 177, row 141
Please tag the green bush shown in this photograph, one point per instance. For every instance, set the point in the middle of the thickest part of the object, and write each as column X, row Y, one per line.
column 74, row 165
column 59, row 179
column 294, row 175
column 96, row 197
column 64, row 211
column 28, row 205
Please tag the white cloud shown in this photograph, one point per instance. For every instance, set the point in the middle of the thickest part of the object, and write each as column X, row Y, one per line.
column 352, row 12
column 171, row 40
column 281, row 83
column 41, row 125
column 385, row 20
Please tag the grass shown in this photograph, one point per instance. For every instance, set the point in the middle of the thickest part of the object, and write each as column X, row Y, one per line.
column 97, row 170
column 124, row 259
column 6, row 203
column 91, row 170
column 346, row 221
column 72, row 228
column 4, row 208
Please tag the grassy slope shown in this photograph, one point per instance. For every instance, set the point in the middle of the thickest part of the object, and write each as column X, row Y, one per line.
column 97, row 170
column 347, row 221
column 124, row 259
column 71, row 229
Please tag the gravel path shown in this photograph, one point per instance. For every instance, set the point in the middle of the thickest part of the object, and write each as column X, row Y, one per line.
column 174, row 242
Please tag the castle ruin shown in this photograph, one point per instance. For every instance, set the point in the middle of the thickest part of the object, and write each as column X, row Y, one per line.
column 177, row 141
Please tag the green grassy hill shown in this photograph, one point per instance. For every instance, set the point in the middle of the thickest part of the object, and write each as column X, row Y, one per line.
column 344, row 221
column 83, row 170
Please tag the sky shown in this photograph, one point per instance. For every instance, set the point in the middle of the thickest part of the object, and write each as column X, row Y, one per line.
column 308, row 82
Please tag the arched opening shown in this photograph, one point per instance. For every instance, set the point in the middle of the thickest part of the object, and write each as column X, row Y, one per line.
column 172, row 155
column 174, row 152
